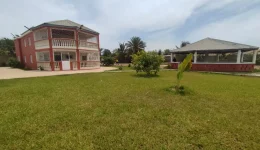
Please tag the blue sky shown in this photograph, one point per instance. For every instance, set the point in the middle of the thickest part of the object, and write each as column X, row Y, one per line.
column 161, row 24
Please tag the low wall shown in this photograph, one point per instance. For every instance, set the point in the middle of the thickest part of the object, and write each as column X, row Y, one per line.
column 218, row 67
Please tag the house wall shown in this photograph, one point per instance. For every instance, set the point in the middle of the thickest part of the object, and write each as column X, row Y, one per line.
column 23, row 51
column 217, row 67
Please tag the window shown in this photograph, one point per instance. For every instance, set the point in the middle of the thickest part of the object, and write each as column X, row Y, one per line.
column 43, row 56
column 29, row 40
column 40, row 35
column 24, row 42
column 31, row 58
column 24, row 59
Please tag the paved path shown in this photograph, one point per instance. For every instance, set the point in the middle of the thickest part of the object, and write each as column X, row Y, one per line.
column 11, row 73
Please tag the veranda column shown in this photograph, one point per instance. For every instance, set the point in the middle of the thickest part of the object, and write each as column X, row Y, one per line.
column 254, row 56
column 238, row 56
column 171, row 58
column 77, row 50
column 195, row 57
column 51, row 50
column 242, row 57
column 217, row 57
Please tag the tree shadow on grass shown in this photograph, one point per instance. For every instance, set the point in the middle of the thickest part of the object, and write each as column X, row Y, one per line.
column 145, row 75
column 185, row 92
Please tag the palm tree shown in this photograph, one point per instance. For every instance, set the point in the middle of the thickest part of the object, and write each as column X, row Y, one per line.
column 135, row 45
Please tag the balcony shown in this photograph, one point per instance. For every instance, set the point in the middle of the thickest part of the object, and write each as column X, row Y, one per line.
column 83, row 44
column 65, row 39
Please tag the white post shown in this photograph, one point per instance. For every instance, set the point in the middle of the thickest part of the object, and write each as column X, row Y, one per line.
column 171, row 58
column 254, row 56
column 242, row 57
column 217, row 57
column 238, row 56
column 195, row 57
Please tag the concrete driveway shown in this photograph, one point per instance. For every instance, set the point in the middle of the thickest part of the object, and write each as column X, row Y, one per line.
column 11, row 73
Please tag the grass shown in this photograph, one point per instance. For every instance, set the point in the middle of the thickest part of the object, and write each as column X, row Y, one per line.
column 124, row 111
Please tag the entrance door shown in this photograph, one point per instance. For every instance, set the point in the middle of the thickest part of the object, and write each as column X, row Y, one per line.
column 65, row 65
column 65, row 61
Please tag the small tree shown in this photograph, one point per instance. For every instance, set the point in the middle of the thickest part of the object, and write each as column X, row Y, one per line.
column 108, row 60
column 147, row 62
column 184, row 66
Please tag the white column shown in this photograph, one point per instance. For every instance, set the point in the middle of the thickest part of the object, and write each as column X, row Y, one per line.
column 254, row 56
column 242, row 57
column 238, row 56
column 217, row 57
column 171, row 57
column 195, row 57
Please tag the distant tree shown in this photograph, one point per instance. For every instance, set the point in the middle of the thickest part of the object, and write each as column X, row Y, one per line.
column 122, row 53
column 135, row 45
column 7, row 46
column 166, row 52
column 160, row 52
column 184, row 43
column 106, row 52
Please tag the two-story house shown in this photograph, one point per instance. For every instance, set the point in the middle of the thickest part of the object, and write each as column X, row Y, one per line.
column 59, row 45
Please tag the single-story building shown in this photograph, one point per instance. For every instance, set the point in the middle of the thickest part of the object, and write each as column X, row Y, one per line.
column 216, row 55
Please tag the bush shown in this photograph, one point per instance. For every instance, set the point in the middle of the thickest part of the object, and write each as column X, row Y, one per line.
column 3, row 64
column 147, row 62
column 108, row 60
column 129, row 65
column 14, row 63
column 120, row 67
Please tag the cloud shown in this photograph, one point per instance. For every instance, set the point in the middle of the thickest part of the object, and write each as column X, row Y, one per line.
column 241, row 28
column 161, row 24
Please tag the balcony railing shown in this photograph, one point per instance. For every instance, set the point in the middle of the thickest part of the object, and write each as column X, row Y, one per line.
column 44, row 65
column 89, row 64
column 83, row 44
column 63, row 43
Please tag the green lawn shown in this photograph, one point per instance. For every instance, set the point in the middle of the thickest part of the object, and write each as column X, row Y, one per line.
column 123, row 111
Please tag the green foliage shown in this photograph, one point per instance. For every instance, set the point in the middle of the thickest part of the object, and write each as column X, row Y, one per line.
column 160, row 52
column 120, row 67
column 107, row 52
column 108, row 60
column 14, row 63
column 166, row 52
column 184, row 66
column 129, row 65
column 135, row 45
column 147, row 62
column 7, row 47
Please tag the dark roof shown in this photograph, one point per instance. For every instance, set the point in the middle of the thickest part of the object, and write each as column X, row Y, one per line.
column 214, row 45
column 64, row 23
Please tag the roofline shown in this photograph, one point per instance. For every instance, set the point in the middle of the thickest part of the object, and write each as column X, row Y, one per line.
column 59, row 26
column 214, row 50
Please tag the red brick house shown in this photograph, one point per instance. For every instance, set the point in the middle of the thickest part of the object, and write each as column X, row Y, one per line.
column 59, row 45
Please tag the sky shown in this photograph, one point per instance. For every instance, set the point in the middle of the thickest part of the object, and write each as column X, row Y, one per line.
column 162, row 24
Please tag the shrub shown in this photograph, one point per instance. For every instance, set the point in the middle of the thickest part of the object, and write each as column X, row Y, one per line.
column 40, row 68
column 14, row 63
column 147, row 62
column 3, row 64
column 129, row 65
column 108, row 60
column 120, row 67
